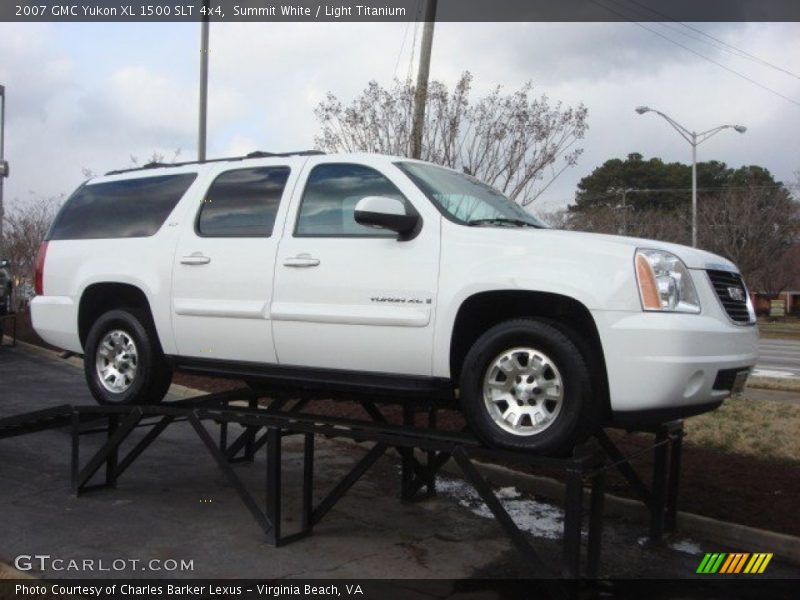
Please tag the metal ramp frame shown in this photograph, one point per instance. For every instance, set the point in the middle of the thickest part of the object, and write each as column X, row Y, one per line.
column 423, row 452
column 39, row 420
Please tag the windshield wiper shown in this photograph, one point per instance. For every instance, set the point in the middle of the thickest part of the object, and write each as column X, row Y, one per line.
column 500, row 221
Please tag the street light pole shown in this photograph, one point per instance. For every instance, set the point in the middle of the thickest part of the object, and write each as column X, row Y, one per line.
column 203, row 108
column 694, row 190
column 624, row 192
column 695, row 139
column 3, row 163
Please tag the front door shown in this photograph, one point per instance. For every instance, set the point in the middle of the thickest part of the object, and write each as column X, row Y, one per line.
column 349, row 296
column 224, row 264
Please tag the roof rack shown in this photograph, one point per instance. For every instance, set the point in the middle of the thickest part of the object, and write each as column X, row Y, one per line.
column 256, row 154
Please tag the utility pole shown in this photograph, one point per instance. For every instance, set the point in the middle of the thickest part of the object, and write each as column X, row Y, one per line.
column 3, row 163
column 625, row 211
column 203, row 109
column 421, row 93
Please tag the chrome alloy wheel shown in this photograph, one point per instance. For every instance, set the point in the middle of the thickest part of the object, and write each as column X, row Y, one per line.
column 116, row 361
column 523, row 391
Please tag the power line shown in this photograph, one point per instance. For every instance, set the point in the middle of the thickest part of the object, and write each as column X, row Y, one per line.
column 725, row 47
column 696, row 53
column 736, row 50
column 744, row 52
column 400, row 52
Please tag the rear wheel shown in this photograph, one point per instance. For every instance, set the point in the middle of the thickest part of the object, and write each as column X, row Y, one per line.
column 124, row 363
column 525, row 386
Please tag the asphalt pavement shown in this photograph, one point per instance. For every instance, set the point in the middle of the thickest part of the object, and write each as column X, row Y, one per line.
column 780, row 358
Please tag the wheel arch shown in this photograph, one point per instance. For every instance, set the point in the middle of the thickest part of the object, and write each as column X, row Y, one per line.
column 483, row 310
column 99, row 298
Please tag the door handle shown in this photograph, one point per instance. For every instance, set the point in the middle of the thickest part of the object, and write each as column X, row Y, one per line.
column 195, row 258
column 301, row 260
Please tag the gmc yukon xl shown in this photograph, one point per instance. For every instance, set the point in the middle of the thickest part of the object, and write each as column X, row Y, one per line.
column 377, row 274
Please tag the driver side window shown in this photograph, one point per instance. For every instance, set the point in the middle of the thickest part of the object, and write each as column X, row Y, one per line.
column 330, row 197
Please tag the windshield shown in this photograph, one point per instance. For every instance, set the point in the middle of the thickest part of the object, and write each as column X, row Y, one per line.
column 467, row 200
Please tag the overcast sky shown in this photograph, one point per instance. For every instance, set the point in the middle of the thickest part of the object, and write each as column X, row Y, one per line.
column 90, row 95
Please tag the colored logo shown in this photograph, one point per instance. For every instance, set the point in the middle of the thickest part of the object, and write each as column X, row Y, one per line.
column 734, row 563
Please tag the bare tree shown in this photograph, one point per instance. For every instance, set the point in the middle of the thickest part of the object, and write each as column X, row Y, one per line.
column 156, row 158
column 758, row 229
column 670, row 224
column 517, row 143
column 26, row 225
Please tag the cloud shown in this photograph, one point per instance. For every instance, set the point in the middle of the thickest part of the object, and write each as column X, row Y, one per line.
column 33, row 63
column 284, row 70
column 64, row 116
column 86, row 95
column 240, row 145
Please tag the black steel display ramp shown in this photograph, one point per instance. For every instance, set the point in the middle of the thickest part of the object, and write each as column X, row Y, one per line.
column 423, row 452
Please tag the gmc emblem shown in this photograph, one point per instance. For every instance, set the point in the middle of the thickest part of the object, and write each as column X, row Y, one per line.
column 736, row 293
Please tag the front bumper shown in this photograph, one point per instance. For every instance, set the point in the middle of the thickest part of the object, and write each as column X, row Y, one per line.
column 668, row 362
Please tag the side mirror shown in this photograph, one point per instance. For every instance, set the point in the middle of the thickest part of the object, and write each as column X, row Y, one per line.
column 385, row 213
column 4, row 263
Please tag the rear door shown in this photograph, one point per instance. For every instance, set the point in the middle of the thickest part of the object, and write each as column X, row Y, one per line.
column 348, row 296
column 224, row 263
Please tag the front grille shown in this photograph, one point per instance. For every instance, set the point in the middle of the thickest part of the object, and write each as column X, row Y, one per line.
column 725, row 283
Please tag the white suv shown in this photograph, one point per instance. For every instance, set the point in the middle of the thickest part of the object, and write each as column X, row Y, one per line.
column 367, row 273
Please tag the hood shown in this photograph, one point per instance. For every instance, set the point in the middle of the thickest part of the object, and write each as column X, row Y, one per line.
column 693, row 258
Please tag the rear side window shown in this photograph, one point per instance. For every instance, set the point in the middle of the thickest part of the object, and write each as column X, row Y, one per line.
column 243, row 203
column 330, row 198
column 120, row 209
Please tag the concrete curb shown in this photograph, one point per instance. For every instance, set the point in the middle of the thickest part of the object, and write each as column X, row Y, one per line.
column 783, row 384
column 740, row 537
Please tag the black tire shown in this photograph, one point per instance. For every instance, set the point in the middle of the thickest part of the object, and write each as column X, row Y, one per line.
column 578, row 409
column 153, row 373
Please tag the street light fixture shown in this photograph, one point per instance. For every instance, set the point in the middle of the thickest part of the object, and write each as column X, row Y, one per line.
column 695, row 139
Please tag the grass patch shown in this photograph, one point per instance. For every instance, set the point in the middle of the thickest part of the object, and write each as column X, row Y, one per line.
column 764, row 429
column 780, row 329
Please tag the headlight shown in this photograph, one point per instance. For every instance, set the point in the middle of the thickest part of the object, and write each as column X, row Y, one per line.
column 665, row 283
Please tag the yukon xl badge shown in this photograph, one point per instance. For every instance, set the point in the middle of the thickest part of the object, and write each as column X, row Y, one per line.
column 736, row 294
column 400, row 300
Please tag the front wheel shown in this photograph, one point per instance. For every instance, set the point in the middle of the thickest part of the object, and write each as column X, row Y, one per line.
column 525, row 386
column 123, row 363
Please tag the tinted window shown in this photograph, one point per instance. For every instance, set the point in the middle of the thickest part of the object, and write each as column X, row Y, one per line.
column 243, row 203
column 331, row 195
column 120, row 209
